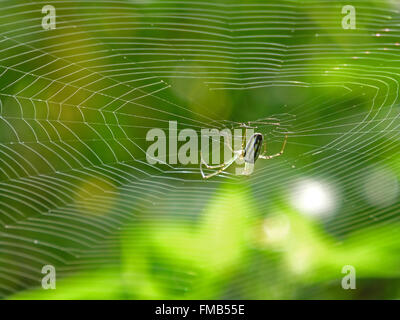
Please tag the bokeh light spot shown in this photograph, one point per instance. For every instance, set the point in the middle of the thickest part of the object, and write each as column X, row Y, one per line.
column 314, row 198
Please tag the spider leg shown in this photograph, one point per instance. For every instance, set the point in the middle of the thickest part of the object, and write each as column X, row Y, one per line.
column 223, row 167
column 266, row 157
column 211, row 174
column 202, row 161
column 266, row 121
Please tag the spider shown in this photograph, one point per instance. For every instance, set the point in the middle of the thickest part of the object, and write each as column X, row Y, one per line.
column 250, row 154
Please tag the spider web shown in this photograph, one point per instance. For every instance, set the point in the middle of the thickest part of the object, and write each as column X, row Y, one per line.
column 77, row 102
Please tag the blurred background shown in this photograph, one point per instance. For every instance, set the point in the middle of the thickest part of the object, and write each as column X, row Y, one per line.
column 76, row 190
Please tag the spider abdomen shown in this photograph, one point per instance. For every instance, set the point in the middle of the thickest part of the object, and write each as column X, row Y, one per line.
column 253, row 148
